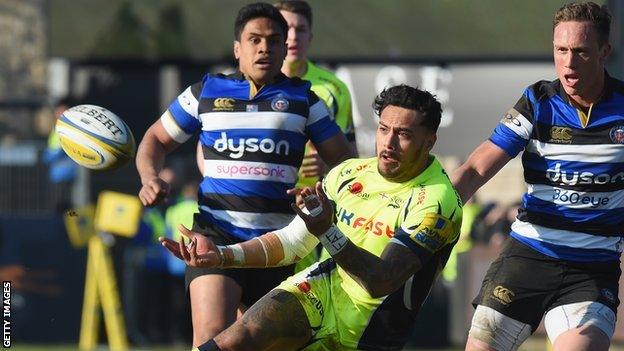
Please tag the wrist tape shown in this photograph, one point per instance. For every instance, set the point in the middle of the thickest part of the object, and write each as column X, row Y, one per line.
column 333, row 240
column 236, row 258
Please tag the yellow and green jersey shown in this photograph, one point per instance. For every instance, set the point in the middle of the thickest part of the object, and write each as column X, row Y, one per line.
column 336, row 96
column 424, row 214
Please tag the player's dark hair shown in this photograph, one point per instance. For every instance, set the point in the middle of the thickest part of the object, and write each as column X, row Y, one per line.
column 259, row 10
column 598, row 16
column 299, row 7
column 413, row 99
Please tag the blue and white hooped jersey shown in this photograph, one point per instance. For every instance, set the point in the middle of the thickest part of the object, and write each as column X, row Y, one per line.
column 253, row 145
column 574, row 169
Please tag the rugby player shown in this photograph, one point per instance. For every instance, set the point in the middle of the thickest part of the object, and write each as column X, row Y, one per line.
column 388, row 222
column 562, row 259
column 253, row 127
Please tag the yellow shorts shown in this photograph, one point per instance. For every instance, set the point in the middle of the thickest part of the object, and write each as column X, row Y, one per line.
column 337, row 320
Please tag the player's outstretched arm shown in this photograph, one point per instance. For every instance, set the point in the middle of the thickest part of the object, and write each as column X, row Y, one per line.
column 150, row 159
column 484, row 162
column 282, row 247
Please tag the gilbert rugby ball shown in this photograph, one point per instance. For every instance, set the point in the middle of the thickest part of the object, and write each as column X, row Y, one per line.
column 95, row 137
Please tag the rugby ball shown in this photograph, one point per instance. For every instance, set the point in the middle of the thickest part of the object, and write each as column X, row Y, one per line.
column 95, row 137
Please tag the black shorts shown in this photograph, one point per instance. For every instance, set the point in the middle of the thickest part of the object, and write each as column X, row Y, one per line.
column 254, row 282
column 523, row 284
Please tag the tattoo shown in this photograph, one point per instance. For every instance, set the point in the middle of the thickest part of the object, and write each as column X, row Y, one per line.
column 275, row 322
column 380, row 276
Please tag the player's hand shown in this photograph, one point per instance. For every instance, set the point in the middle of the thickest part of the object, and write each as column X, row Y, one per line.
column 320, row 223
column 312, row 164
column 296, row 192
column 200, row 252
column 153, row 192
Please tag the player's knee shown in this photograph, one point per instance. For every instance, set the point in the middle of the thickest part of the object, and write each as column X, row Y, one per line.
column 494, row 329
column 586, row 323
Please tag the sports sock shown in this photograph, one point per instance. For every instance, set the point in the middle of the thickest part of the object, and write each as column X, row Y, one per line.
column 211, row 345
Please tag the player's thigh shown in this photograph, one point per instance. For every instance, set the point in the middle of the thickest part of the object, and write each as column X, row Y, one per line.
column 588, row 297
column 587, row 325
column 583, row 338
column 214, row 301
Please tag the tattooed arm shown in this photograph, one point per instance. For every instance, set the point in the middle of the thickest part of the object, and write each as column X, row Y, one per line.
column 378, row 275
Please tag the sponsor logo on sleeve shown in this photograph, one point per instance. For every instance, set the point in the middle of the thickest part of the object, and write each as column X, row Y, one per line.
column 433, row 232
column 511, row 117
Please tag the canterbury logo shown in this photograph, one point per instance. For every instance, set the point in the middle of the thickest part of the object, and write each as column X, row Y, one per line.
column 503, row 294
column 561, row 134
column 224, row 104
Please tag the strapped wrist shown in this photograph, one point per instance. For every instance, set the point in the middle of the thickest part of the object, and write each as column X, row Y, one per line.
column 333, row 240
column 231, row 255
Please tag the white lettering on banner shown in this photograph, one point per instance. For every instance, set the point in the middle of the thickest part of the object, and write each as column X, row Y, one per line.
column 266, row 146
column 390, row 76
column 437, row 80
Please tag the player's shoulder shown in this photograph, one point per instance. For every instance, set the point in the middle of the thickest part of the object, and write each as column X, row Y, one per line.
column 543, row 89
column 218, row 81
column 615, row 84
column 436, row 189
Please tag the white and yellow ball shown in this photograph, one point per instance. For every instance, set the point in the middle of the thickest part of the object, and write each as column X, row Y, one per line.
column 95, row 137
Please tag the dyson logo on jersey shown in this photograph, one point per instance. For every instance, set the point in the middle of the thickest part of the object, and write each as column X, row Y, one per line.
column 556, row 175
column 267, row 146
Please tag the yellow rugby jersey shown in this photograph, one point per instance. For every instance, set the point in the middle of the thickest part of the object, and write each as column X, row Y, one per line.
column 423, row 214
column 336, row 96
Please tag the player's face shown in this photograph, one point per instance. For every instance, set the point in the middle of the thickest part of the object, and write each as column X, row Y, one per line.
column 299, row 36
column 261, row 50
column 403, row 144
column 579, row 59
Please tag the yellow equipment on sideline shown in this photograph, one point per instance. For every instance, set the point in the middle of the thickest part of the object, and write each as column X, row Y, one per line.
column 115, row 213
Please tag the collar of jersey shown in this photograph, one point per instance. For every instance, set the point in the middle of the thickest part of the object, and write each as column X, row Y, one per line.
column 253, row 89
column 610, row 85
column 434, row 165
